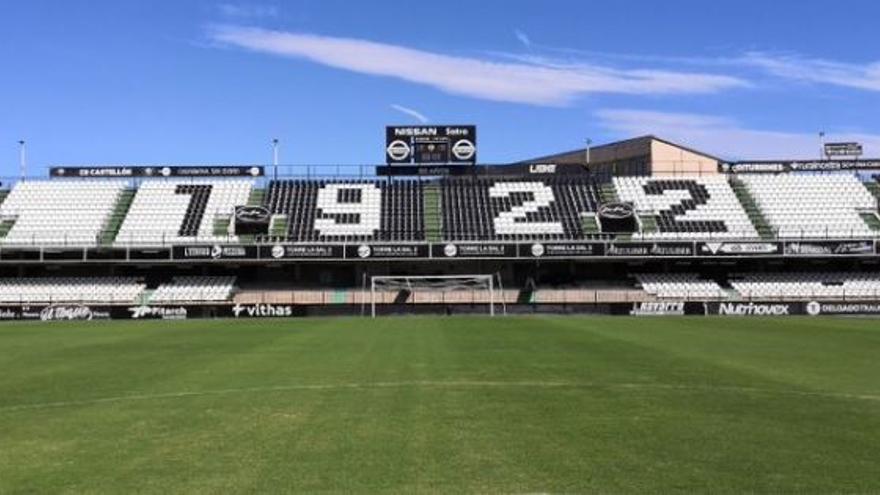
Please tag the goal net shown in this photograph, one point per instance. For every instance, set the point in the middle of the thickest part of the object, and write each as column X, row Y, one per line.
column 433, row 289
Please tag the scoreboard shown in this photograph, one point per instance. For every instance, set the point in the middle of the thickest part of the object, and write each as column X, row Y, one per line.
column 431, row 145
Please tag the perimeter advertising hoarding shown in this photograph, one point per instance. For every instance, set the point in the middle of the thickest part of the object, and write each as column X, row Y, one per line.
column 659, row 249
column 473, row 250
column 215, row 252
column 158, row 171
column 798, row 166
column 384, row 251
column 301, row 251
column 739, row 248
column 830, row 248
column 561, row 249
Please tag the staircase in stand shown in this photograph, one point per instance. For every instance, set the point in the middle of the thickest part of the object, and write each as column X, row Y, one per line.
column 5, row 227
column 431, row 201
column 607, row 193
column 256, row 198
column 120, row 210
column 590, row 225
column 278, row 226
column 751, row 207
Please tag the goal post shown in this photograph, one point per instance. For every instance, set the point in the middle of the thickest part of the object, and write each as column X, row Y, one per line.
column 482, row 289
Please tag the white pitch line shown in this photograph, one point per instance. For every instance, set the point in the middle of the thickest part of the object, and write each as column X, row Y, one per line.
column 437, row 384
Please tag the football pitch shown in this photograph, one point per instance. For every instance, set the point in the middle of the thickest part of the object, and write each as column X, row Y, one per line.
column 441, row 405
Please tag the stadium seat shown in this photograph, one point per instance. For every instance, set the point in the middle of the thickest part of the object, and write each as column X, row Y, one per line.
column 191, row 289
column 348, row 211
column 516, row 209
column 59, row 212
column 70, row 289
column 808, row 285
column 698, row 207
column 176, row 211
column 812, row 205
column 685, row 286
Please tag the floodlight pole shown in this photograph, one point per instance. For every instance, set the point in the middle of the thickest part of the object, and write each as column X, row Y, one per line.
column 822, row 145
column 275, row 157
column 587, row 150
column 22, row 158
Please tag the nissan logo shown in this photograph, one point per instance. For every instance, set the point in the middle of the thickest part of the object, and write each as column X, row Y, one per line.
column 464, row 150
column 398, row 150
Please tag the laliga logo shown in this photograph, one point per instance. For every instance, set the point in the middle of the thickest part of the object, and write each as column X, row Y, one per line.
column 364, row 251
column 165, row 171
column 814, row 308
column 216, row 251
column 450, row 250
column 277, row 251
column 464, row 149
column 398, row 150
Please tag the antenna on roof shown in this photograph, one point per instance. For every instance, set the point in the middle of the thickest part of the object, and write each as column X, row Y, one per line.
column 587, row 150
column 22, row 158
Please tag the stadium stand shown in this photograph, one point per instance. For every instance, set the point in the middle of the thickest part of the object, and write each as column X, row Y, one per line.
column 58, row 212
column 682, row 286
column 70, row 289
column 189, row 289
column 175, row 211
column 687, row 207
column 813, row 206
column 348, row 211
column 807, row 285
column 526, row 209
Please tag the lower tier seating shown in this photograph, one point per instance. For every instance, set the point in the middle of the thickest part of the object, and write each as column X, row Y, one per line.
column 195, row 289
column 70, row 289
column 680, row 286
column 801, row 285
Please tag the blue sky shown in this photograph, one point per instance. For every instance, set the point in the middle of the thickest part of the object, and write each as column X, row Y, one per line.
column 191, row 82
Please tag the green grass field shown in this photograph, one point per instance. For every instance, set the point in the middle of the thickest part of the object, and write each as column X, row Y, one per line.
column 446, row 405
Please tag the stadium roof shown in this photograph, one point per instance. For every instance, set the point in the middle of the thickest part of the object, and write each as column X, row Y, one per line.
column 618, row 150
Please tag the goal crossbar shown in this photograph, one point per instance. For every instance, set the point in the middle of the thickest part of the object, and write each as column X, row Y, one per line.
column 432, row 283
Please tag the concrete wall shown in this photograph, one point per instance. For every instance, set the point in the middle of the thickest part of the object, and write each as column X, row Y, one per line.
column 672, row 160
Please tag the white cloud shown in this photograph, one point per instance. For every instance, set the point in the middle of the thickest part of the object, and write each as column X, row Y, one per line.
column 536, row 83
column 409, row 111
column 523, row 38
column 247, row 11
column 726, row 137
column 859, row 76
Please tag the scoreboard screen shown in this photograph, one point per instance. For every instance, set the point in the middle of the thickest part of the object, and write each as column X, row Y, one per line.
column 431, row 152
column 408, row 145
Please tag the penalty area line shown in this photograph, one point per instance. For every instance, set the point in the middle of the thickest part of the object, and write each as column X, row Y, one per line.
column 437, row 384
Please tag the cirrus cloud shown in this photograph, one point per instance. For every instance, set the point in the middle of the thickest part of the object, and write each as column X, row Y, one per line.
column 815, row 70
column 537, row 82
column 410, row 112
